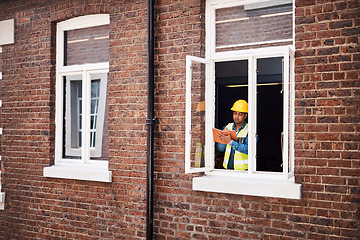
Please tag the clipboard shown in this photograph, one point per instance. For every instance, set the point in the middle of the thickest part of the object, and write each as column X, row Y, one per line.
column 225, row 132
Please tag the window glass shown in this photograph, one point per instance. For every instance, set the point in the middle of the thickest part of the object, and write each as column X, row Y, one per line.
column 99, row 117
column 269, row 114
column 73, row 124
column 73, row 116
column 197, row 115
column 95, row 91
column 245, row 26
column 86, row 45
column 231, row 85
column 102, row 125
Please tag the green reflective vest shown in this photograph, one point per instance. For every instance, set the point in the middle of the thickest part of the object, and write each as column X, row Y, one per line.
column 240, row 159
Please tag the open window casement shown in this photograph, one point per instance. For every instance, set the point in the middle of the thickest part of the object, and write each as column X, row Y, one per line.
column 199, row 119
column 289, row 113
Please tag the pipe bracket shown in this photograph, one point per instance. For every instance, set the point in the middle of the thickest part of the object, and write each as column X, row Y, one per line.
column 152, row 121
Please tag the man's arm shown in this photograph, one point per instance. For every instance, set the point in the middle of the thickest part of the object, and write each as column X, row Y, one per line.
column 240, row 147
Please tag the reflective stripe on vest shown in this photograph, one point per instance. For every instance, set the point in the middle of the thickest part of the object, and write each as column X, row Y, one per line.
column 240, row 159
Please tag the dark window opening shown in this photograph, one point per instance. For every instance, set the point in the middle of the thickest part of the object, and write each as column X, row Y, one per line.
column 232, row 84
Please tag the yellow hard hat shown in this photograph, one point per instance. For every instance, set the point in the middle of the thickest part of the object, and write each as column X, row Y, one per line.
column 200, row 107
column 240, row 106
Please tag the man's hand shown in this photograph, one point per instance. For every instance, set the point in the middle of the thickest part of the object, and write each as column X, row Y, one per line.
column 225, row 137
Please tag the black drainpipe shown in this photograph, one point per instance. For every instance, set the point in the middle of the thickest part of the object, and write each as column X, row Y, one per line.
column 150, row 122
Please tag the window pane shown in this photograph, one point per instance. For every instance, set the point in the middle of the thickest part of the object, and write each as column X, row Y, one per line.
column 99, row 117
column 86, row 45
column 197, row 115
column 249, row 26
column 269, row 114
column 73, row 116
column 231, row 85
column 95, row 91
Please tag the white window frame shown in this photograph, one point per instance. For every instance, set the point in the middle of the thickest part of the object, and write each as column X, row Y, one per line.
column 84, row 168
column 94, row 151
column 7, row 32
column 209, row 118
column 250, row 182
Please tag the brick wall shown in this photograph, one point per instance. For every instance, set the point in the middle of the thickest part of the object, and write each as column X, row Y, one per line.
column 327, row 108
column 327, row 130
column 90, row 45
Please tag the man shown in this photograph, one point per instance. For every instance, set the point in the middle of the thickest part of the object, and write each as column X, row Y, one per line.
column 236, row 152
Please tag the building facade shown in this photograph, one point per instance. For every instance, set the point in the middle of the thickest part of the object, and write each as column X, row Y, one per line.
column 74, row 101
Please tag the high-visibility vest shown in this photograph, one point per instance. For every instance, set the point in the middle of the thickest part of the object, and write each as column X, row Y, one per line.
column 240, row 159
column 198, row 154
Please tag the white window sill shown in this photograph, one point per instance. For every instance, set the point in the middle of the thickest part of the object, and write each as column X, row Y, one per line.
column 248, row 186
column 78, row 172
column 2, row 200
